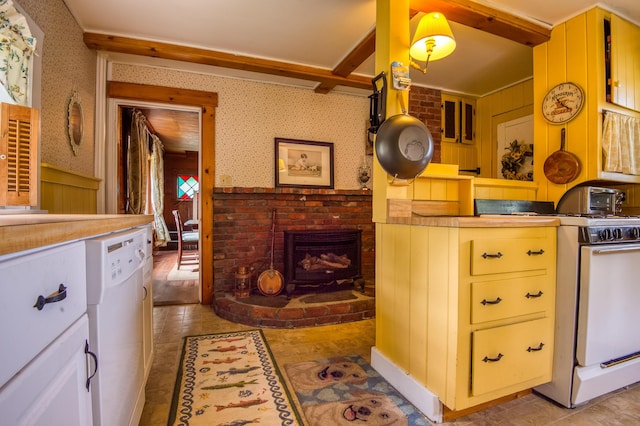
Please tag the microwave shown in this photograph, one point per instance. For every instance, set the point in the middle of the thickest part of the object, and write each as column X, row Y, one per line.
column 591, row 200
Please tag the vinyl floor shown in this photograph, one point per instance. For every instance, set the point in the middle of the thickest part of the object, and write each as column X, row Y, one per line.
column 172, row 323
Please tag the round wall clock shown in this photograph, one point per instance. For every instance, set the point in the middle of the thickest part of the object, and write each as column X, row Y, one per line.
column 562, row 103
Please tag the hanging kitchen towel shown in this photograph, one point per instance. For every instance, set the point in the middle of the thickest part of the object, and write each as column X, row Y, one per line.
column 621, row 143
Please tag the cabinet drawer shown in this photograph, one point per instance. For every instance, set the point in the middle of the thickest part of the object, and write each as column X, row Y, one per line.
column 494, row 300
column 494, row 256
column 516, row 353
column 26, row 330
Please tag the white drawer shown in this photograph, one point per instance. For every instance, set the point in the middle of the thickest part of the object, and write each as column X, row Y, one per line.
column 25, row 330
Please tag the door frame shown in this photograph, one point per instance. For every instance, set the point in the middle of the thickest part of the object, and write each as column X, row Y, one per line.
column 207, row 102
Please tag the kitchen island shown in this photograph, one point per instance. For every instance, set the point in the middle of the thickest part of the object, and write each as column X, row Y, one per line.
column 465, row 308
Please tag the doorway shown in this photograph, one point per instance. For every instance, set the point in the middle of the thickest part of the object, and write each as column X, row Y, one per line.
column 205, row 102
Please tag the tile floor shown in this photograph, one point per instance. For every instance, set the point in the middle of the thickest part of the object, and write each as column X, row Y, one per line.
column 172, row 323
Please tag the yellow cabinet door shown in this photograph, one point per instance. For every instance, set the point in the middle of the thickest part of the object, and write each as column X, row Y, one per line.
column 512, row 354
column 494, row 300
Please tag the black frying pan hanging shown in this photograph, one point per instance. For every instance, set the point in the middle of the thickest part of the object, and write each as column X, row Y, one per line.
column 404, row 146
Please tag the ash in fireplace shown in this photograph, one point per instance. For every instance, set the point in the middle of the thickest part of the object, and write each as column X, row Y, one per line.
column 324, row 261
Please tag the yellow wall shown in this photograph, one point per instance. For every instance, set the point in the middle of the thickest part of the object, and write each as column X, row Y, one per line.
column 574, row 53
column 504, row 105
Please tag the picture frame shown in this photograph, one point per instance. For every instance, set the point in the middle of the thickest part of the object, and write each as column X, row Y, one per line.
column 303, row 164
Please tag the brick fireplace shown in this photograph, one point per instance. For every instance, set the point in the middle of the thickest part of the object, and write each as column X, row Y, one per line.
column 242, row 237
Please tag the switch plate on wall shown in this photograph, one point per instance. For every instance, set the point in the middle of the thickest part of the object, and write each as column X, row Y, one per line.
column 225, row 180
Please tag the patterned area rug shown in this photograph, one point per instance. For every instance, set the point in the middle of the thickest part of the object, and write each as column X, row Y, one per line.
column 348, row 391
column 230, row 379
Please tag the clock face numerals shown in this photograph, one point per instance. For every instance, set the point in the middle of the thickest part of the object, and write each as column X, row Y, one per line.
column 562, row 103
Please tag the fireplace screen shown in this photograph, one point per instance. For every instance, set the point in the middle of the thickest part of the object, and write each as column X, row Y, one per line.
column 321, row 257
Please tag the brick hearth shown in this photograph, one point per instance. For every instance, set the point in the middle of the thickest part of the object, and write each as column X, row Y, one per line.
column 242, row 237
column 296, row 314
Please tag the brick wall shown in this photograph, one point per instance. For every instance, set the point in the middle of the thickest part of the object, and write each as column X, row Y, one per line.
column 242, row 226
column 424, row 103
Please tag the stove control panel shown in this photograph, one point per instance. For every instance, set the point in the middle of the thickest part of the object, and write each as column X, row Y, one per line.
column 609, row 234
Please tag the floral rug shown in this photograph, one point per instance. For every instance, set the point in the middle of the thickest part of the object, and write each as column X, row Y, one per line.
column 348, row 391
column 230, row 379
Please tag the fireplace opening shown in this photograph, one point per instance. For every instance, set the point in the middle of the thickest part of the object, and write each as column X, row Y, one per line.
column 327, row 258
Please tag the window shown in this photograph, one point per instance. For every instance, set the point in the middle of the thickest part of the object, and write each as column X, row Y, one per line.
column 187, row 187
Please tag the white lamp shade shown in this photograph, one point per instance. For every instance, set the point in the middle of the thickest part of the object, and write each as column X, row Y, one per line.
column 433, row 27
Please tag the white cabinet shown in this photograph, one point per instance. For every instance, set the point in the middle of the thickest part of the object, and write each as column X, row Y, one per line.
column 52, row 389
column 44, row 369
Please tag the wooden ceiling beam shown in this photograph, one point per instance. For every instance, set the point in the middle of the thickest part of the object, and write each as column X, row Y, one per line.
column 465, row 12
column 481, row 17
column 156, row 49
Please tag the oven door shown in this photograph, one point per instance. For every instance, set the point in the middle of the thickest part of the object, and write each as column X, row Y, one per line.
column 608, row 313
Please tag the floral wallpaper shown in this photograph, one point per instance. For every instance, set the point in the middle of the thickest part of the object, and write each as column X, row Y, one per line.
column 67, row 66
column 251, row 114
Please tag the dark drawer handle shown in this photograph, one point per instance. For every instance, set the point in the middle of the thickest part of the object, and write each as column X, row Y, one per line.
column 539, row 348
column 59, row 295
column 491, row 302
column 531, row 253
column 498, row 255
column 496, row 359
column 529, row 295
column 95, row 361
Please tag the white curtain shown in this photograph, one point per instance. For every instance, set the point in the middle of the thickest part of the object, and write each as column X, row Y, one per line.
column 621, row 143
column 157, row 192
column 16, row 50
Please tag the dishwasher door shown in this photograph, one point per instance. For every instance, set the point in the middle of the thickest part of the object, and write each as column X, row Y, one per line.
column 115, row 293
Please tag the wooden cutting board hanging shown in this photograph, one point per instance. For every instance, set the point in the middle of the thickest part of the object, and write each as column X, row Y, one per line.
column 562, row 166
column 271, row 282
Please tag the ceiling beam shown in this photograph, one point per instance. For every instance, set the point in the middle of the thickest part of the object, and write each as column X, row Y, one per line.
column 465, row 12
column 156, row 49
column 481, row 17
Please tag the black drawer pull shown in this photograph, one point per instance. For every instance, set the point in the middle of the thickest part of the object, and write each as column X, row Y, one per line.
column 530, row 253
column 498, row 255
column 59, row 295
column 95, row 361
column 496, row 359
column 529, row 295
column 539, row 348
column 491, row 302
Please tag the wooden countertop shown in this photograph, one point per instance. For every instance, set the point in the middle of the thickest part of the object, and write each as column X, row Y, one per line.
column 20, row 232
column 489, row 221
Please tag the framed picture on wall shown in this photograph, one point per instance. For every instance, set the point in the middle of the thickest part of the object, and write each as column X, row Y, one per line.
column 303, row 164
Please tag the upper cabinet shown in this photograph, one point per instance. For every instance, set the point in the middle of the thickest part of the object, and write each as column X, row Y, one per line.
column 458, row 119
column 18, row 156
column 622, row 60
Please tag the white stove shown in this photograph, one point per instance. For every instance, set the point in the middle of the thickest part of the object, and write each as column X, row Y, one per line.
column 597, row 341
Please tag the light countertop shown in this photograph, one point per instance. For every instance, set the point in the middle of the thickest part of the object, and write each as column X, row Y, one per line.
column 20, row 232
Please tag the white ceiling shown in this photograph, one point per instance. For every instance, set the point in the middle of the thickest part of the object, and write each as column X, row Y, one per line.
column 320, row 33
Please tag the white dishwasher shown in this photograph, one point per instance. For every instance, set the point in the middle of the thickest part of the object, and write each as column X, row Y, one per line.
column 114, row 305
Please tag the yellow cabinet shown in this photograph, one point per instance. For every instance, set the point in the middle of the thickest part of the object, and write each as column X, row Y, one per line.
column 622, row 60
column 458, row 119
column 512, row 354
column 468, row 312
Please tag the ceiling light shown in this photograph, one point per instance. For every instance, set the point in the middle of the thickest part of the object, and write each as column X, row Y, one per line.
column 432, row 40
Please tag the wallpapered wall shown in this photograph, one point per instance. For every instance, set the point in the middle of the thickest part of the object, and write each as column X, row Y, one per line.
column 251, row 114
column 67, row 65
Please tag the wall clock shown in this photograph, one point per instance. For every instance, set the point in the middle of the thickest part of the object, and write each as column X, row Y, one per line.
column 562, row 103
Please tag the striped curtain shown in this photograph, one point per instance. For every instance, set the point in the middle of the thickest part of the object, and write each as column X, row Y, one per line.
column 157, row 192
column 137, row 165
column 621, row 143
